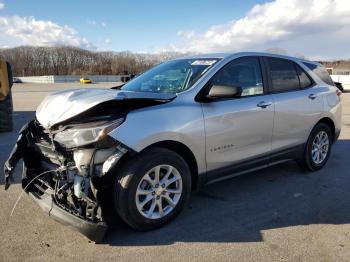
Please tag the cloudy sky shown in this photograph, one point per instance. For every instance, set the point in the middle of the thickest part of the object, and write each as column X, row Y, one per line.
column 317, row 29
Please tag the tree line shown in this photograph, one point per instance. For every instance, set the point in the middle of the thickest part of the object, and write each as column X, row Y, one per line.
column 37, row 61
column 65, row 60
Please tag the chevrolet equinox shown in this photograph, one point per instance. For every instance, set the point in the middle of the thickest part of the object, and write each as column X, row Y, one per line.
column 182, row 124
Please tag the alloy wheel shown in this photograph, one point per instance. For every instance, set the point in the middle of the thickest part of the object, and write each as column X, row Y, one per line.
column 159, row 191
column 320, row 147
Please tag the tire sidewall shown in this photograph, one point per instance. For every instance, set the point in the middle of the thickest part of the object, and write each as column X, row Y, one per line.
column 309, row 161
column 127, row 185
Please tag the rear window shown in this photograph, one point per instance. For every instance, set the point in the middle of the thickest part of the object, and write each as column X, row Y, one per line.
column 321, row 72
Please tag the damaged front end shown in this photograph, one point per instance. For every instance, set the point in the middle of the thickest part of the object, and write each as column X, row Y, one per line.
column 64, row 168
column 69, row 156
column 64, row 180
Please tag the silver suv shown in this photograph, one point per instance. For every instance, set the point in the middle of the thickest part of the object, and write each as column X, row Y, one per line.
column 183, row 124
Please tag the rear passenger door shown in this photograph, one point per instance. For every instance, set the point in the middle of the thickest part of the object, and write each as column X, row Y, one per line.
column 298, row 104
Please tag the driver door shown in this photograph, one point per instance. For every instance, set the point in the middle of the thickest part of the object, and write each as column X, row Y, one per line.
column 238, row 130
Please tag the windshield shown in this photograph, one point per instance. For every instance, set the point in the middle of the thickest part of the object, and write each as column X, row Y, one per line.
column 171, row 77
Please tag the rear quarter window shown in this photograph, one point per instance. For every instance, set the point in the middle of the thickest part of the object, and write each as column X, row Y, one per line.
column 304, row 79
column 321, row 72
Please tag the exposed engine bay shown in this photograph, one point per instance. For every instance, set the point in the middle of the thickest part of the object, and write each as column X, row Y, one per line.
column 67, row 164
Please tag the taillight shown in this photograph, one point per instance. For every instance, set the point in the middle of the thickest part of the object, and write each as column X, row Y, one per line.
column 338, row 92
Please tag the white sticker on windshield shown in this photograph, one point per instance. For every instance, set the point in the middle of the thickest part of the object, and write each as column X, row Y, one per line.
column 204, row 62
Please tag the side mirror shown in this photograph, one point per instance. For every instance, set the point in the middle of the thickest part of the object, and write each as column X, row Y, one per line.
column 224, row 91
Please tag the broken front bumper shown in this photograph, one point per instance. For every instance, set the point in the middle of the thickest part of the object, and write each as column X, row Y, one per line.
column 93, row 231
column 42, row 192
column 44, row 197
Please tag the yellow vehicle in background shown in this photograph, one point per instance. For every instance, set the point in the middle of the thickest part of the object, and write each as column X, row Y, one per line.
column 6, row 107
column 85, row 80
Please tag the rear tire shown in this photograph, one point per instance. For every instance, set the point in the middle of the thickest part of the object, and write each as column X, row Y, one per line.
column 318, row 148
column 6, row 109
column 141, row 201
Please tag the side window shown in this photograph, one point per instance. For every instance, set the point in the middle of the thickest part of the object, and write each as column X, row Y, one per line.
column 304, row 79
column 321, row 72
column 283, row 75
column 243, row 72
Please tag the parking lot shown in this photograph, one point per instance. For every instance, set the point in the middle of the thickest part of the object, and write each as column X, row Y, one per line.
column 277, row 214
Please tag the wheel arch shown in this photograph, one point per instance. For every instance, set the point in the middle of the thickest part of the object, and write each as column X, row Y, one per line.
column 185, row 153
column 329, row 122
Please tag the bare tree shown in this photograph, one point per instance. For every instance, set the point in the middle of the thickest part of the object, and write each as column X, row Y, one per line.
column 35, row 61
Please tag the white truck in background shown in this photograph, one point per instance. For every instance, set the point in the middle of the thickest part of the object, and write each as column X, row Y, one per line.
column 343, row 79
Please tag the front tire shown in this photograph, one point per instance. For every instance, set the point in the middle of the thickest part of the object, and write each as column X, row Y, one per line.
column 318, row 148
column 152, row 188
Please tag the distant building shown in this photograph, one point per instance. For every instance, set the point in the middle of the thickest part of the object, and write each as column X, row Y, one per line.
column 339, row 67
column 340, row 71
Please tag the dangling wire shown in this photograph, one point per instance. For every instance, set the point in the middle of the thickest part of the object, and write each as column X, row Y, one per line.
column 24, row 189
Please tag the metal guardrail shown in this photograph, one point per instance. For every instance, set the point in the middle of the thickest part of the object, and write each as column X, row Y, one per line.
column 50, row 79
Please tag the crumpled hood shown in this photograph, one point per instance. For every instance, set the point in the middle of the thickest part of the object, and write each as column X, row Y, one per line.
column 62, row 105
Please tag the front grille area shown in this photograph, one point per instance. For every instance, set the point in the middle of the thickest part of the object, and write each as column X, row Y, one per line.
column 48, row 153
column 46, row 147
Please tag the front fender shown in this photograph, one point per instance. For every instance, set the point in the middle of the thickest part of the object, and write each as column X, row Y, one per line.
column 178, row 121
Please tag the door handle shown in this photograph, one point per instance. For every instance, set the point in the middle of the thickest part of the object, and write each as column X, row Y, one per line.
column 312, row 96
column 264, row 104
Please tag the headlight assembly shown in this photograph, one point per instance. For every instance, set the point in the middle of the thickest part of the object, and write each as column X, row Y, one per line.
column 76, row 136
